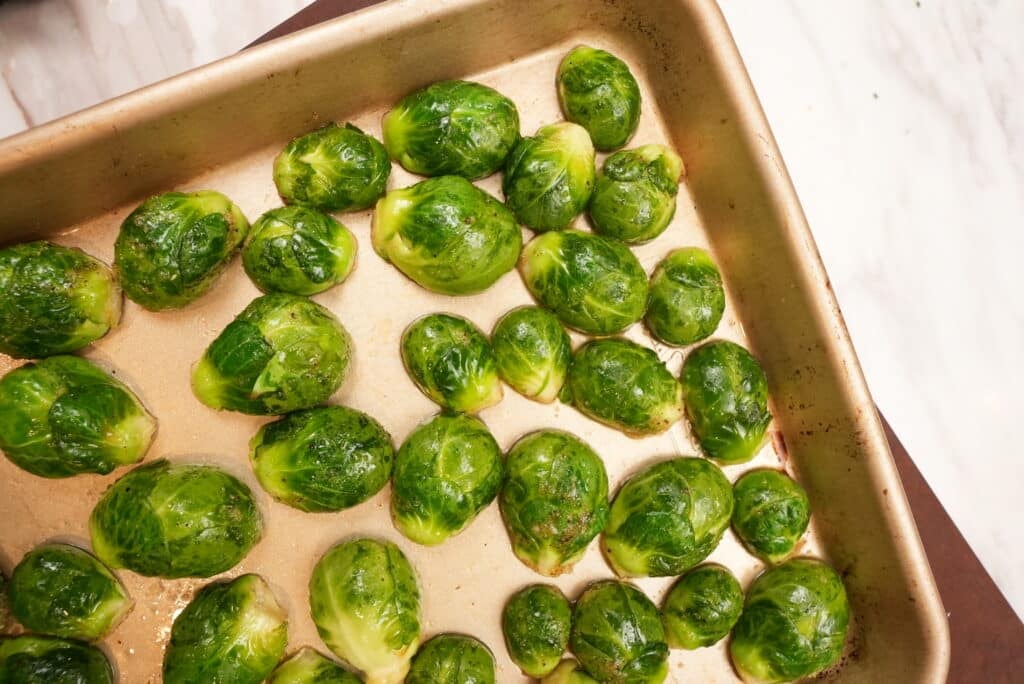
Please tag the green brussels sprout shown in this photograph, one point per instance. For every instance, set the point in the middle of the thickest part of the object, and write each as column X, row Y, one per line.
column 365, row 602
column 174, row 246
column 55, row 300
column 170, row 520
column 624, row 385
column 617, row 634
column 281, row 354
column 298, row 250
column 5, row 613
column 687, row 299
column 63, row 415
column 772, row 513
column 64, row 591
column 701, row 607
column 554, row 500
column 635, row 194
column 793, row 623
column 536, row 622
column 452, row 127
column 232, row 631
column 549, row 178
column 532, row 351
column 447, row 235
column 568, row 672
column 725, row 393
column 447, row 471
column 451, row 362
column 667, row 518
column 309, row 667
column 49, row 660
column 598, row 91
column 334, row 168
column 452, row 659
column 592, row 283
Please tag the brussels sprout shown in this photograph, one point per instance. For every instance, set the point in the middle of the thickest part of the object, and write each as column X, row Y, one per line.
column 635, row 194
column 624, row 385
column 532, row 351
column 365, row 602
column 771, row 514
column 309, row 667
column 554, row 500
column 667, row 518
column 617, row 634
column 447, row 235
column 452, row 127
column 322, row 459
column 62, row 590
column 170, row 520
column 447, row 471
column 174, row 246
column 592, row 283
column 536, row 623
column 687, row 299
column 49, row 660
column 549, row 177
column 451, row 362
column 298, row 250
column 793, row 623
column 281, row 354
column 598, row 91
column 702, row 607
column 334, row 168
column 452, row 659
column 63, row 415
column 55, row 300
column 5, row 613
column 568, row 672
column 233, row 631
column 725, row 392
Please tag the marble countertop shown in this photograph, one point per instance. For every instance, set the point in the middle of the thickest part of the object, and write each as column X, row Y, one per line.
column 902, row 127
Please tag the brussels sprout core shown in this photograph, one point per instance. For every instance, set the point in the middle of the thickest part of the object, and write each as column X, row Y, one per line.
column 309, row 667
column 532, row 351
column 48, row 660
column 536, row 623
column 772, row 513
column 598, row 91
column 702, row 607
column 687, row 299
column 452, row 659
column 568, row 672
column 635, row 195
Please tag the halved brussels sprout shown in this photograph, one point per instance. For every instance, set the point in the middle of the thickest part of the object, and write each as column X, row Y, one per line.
column 451, row 362
column 447, row 235
column 365, row 603
column 532, row 351
column 687, row 298
column 298, row 250
column 62, row 590
column 452, row 127
column 452, row 659
column 549, row 177
column 309, row 667
column 170, row 520
column 48, row 660
column 63, row 416
column 592, row 283
column 793, row 623
column 334, row 168
column 702, row 607
column 635, row 194
column 598, row 91
column 554, row 500
column 624, row 385
column 725, row 392
column 617, row 634
column 667, row 518
column 327, row 458
column 447, row 471
column 536, row 622
column 55, row 300
column 174, row 246
column 281, row 354
column 232, row 631
column 772, row 513
column 568, row 672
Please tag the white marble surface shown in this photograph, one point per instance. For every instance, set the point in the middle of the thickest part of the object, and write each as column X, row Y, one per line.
column 902, row 126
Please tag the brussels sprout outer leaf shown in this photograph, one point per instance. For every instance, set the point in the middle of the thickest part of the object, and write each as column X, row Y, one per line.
column 568, row 672
column 452, row 659
column 635, row 194
column 49, row 660
column 5, row 612
column 536, row 622
column 309, row 667
column 598, row 91
column 702, row 607
column 532, row 352
column 772, row 513
column 687, row 299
